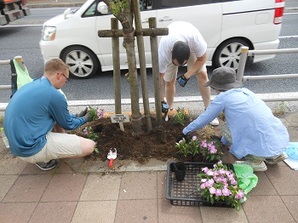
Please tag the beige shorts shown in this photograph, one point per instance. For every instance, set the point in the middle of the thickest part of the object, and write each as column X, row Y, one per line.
column 172, row 70
column 59, row 145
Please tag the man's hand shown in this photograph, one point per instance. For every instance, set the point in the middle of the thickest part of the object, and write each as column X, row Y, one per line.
column 82, row 113
column 182, row 80
column 186, row 137
column 88, row 117
column 164, row 107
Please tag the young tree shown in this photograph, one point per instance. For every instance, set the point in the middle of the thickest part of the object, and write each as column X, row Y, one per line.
column 122, row 10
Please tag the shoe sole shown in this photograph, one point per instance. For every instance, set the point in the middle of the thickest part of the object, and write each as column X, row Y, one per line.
column 45, row 169
column 275, row 161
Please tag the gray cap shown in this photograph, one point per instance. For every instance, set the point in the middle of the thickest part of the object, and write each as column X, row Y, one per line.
column 223, row 78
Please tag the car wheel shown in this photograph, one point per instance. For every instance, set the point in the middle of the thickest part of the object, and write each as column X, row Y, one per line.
column 81, row 61
column 228, row 53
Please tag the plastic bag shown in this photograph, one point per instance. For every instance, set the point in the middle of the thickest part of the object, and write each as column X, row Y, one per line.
column 292, row 150
column 247, row 180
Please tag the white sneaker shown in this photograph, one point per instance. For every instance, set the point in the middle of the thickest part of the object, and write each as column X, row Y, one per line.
column 260, row 166
column 214, row 122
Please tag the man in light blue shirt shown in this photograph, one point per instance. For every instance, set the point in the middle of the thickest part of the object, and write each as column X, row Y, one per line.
column 252, row 131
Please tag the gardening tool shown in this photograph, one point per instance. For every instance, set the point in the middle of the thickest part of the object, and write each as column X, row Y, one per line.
column 167, row 117
column 165, row 110
column 111, row 156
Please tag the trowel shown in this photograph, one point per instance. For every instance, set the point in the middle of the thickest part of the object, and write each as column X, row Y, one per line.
column 111, row 156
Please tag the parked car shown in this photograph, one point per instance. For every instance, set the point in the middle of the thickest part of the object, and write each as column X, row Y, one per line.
column 226, row 25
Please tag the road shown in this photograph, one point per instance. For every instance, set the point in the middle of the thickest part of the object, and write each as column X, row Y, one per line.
column 24, row 41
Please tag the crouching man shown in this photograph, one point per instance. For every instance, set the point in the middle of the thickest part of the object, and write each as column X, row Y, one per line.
column 37, row 109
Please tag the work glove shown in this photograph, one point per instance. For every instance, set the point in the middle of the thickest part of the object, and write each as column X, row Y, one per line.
column 88, row 117
column 186, row 137
column 164, row 107
column 182, row 80
column 82, row 113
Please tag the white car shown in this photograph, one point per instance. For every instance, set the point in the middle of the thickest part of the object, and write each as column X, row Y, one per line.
column 226, row 25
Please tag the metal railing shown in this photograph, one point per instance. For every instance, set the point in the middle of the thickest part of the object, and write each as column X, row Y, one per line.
column 245, row 52
column 4, row 86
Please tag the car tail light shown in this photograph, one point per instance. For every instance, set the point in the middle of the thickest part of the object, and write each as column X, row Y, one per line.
column 279, row 11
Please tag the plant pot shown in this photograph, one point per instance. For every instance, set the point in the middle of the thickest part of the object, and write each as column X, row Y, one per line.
column 179, row 169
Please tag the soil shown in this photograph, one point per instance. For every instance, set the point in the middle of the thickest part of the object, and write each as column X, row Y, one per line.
column 158, row 143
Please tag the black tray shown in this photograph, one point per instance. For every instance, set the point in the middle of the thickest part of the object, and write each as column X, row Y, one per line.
column 186, row 193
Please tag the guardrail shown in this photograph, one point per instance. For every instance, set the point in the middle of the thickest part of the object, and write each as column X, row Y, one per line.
column 4, row 86
column 245, row 52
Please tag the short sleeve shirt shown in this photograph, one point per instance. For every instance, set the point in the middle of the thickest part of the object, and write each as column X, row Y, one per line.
column 180, row 31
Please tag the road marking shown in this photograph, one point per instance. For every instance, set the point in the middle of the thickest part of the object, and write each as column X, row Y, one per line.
column 288, row 37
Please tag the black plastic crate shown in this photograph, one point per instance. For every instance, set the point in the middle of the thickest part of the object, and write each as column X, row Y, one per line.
column 186, row 193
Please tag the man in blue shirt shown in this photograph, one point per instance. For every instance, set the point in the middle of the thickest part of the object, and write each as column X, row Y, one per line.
column 38, row 108
column 251, row 129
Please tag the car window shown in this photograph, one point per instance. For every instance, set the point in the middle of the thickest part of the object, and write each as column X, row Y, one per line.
column 91, row 11
column 162, row 4
column 145, row 5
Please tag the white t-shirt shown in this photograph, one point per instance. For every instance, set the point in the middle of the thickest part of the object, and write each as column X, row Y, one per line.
column 180, row 31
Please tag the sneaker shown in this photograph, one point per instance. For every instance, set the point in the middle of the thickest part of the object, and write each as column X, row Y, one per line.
column 214, row 122
column 260, row 166
column 47, row 166
column 276, row 159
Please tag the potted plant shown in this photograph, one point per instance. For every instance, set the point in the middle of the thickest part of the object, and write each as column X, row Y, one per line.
column 219, row 184
column 206, row 150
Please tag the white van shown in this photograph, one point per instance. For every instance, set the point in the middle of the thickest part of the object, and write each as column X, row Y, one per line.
column 226, row 25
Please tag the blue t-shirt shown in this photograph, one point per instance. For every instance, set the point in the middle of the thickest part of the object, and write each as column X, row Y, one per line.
column 254, row 129
column 32, row 112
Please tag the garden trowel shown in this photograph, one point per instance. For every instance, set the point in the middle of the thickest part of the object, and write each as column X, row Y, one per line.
column 111, row 156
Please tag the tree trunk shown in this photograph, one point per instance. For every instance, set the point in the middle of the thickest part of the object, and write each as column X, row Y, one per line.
column 125, row 17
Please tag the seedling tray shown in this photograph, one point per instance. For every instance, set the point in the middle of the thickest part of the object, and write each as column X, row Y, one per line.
column 186, row 193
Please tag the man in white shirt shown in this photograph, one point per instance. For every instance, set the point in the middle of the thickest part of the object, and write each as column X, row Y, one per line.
column 183, row 45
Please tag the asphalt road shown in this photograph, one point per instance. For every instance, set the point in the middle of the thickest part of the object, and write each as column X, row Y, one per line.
column 24, row 41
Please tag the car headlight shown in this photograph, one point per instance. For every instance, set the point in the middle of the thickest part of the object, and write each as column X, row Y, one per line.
column 48, row 33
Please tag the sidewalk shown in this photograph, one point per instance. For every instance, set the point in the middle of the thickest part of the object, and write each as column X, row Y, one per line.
column 81, row 191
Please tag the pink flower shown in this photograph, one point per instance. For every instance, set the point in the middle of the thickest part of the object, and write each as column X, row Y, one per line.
column 203, row 186
column 205, row 169
column 233, row 182
column 213, row 150
column 239, row 195
column 226, row 192
column 194, row 138
column 212, row 190
column 204, row 143
column 99, row 113
column 85, row 131
column 218, row 192
column 210, row 183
